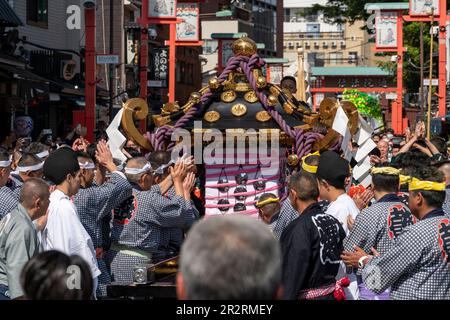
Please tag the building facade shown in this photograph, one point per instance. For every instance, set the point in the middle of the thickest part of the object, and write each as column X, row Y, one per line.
column 323, row 43
column 260, row 20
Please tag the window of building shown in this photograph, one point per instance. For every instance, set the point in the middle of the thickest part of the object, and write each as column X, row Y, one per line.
column 316, row 59
column 352, row 57
column 37, row 13
column 313, row 27
column 210, row 46
column 336, row 58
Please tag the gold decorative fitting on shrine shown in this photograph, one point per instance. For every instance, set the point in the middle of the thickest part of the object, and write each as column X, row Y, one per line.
column 160, row 120
column 263, row 116
column 275, row 91
column 195, row 97
column 170, row 107
column 238, row 110
column 288, row 108
column 292, row 160
column 244, row 47
column 214, row 83
column 228, row 96
column 261, row 82
column 212, row 116
column 251, row 97
column 272, row 101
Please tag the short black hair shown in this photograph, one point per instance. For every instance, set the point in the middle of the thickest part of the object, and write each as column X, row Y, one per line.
column 90, row 150
column 386, row 182
column 433, row 198
column 36, row 147
column 85, row 155
column 28, row 159
column 305, row 185
column 312, row 160
column 133, row 152
column 4, row 155
column 440, row 144
column 288, row 78
column 46, row 277
column 409, row 162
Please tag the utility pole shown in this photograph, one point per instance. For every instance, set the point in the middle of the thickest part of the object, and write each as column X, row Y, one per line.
column 422, row 94
column 430, row 92
column 111, row 66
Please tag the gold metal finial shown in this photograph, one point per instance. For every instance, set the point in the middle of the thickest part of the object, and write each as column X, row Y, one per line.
column 195, row 97
column 272, row 100
column 244, row 47
column 214, row 83
column 261, row 82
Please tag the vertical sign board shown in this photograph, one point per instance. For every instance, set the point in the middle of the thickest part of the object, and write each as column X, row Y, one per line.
column 423, row 7
column 189, row 29
column 386, row 30
column 276, row 74
column 159, row 68
column 162, row 8
column 227, row 51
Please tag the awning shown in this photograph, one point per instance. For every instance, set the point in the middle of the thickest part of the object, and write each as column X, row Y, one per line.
column 22, row 74
column 8, row 18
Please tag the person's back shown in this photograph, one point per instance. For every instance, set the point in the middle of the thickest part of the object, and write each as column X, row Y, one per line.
column 229, row 258
column 311, row 245
column 18, row 236
column 380, row 224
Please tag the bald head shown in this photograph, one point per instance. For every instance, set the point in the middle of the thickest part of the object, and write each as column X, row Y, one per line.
column 445, row 169
column 269, row 210
column 32, row 189
column 137, row 163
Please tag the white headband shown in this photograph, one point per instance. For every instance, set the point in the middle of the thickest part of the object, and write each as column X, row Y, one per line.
column 146, row 168
column 4, row 164
column 87, row 165
column 36, row 167
column 161, row 168
column 42, row 154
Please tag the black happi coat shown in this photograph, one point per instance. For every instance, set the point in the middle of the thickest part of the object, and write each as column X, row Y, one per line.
column 311, row 247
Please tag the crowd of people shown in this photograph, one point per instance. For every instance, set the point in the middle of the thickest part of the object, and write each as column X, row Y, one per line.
column 73, row 220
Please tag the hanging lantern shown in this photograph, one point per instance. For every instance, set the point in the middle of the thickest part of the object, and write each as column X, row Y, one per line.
column 223, row 202
column 240, row 189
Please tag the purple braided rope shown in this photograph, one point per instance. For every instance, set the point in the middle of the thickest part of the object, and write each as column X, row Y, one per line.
column 303, row 141
column 157, row 139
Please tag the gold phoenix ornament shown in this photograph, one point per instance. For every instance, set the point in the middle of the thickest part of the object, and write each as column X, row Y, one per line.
column 238, row 110
column 263, row 116
column 251, row 97
column 212, row 116
column 228, row 96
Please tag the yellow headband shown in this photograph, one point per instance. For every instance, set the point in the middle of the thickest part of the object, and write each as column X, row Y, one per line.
column 259, row 204
column 416, row 184
column 307, row 167
column 386, row 170
column 404, row 179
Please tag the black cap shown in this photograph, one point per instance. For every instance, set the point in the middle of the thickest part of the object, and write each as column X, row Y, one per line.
column 333, row 169
column 59, row 164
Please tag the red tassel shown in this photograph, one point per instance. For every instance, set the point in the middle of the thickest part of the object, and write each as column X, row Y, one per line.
column 339, row 293
column 198, row 193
